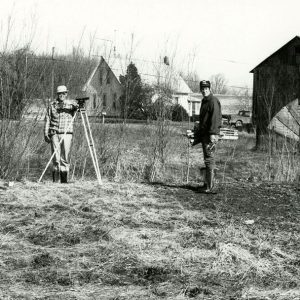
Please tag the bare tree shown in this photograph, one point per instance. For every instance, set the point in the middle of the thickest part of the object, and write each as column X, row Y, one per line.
column 218, row 84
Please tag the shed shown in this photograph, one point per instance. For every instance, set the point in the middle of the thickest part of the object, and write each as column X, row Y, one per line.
column 276, row 83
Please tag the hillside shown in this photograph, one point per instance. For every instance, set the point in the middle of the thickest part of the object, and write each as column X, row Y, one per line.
column 142, row 241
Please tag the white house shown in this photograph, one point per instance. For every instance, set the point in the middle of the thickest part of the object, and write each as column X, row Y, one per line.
column 104, row 88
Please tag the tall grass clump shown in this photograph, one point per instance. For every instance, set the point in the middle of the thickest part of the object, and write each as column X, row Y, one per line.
column 276, row 160
column 17, row 133
column 283, row 158
column 118, row 151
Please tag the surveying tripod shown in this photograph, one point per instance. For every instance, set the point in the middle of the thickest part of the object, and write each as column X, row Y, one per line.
column 88, row 135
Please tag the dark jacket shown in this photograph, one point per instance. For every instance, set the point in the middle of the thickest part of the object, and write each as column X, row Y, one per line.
column 210, row 116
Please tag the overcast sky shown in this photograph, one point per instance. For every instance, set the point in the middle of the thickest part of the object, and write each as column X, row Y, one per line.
column 210, row 37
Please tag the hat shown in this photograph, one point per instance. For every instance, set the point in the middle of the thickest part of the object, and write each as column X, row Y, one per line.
column 61, row 89
column 204, row 83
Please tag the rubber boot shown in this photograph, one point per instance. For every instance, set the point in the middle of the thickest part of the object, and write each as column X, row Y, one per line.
column 64, row 177
column 210, row 181
column 203, row 176
column 55, row 176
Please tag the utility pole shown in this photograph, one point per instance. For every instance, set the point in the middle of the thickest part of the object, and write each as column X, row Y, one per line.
column 2, row 101
column 25, row 79
column 52, row 75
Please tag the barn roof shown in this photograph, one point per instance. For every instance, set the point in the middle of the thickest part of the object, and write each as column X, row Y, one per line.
column 273, row 54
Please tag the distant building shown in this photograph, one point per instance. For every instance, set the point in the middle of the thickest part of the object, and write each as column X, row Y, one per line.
column 104, row 88
column 230, row 104
column 276, row 82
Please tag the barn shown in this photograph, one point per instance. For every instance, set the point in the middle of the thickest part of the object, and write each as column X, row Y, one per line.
column 276, row 85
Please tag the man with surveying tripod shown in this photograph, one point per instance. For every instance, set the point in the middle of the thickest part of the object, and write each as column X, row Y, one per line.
column 208, row 130
column 59, row 130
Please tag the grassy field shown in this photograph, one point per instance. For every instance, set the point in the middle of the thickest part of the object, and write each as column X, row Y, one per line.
column 135, row 238
column 142, row 241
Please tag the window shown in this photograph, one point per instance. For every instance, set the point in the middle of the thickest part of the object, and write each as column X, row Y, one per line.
column 94, row 101
column 101, row 77
column 104, row 101
column 107, row 78
column 176, row 100
column 193, row 108
column 244, row 113
column 115, row 102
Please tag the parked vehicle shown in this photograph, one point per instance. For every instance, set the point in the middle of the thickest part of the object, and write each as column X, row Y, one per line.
column 243, row 117
column 226, row 120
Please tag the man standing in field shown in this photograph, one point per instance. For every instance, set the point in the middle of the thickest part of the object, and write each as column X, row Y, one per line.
column 210, row 120
column 59, row 131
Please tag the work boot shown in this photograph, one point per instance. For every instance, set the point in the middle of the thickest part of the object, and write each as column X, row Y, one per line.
column 64, row 177
column 209, row 181
column 55, row 176
column 203, row 179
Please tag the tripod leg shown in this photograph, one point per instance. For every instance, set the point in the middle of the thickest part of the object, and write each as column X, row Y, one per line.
column 55, row 147
column 93, row 150
column 90, row 145
column 93, row 147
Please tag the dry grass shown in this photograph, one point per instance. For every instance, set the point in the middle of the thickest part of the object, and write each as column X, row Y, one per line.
column 148, row 152
column 158, row 240
column 137, row 241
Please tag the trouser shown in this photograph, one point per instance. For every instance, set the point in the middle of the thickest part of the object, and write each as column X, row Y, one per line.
column 62, row 151
column 209, row 160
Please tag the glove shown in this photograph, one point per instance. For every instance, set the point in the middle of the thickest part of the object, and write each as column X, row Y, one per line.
column 47, row 139
column 213, row 138
column 76, row 105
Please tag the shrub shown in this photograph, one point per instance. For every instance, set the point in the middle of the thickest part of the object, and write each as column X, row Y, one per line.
column 179, row 114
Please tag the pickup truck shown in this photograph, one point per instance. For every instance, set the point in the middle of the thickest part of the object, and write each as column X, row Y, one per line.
column 243, row 117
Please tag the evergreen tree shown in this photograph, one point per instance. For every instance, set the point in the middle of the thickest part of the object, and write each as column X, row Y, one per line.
column 136, row 99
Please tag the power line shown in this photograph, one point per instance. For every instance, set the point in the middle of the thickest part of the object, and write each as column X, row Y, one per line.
column 55, row 59
column 186, row 80
column 213, row 58
column 240, row 87
column 232, row 86
column 225, row 59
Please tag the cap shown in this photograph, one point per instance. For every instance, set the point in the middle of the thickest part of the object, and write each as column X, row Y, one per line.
column 204, row 83
column 61, row 89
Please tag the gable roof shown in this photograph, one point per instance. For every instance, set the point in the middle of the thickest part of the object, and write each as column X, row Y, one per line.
column 273, row 54
column 152, row 73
